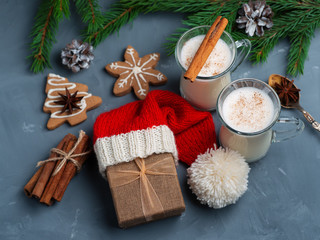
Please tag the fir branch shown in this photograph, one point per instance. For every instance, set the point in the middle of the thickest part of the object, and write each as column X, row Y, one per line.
column 191, row 6
column 114, row 19
column 285, row 5
column 206, row 17
column 294, row 24
column 48, row 16
column 292, row 19
column 183, row 6
column 90, row 13
column 300, row 42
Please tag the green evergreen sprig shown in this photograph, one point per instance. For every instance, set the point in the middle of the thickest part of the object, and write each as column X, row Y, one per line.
column 206, row 17
column 114, row 19
column 298, row 53
column 296, row 20
column 298, row 24
column 90, row 13
column 182, row 6
column 47, row 19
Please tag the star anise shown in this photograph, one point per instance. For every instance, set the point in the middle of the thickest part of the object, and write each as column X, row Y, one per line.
column 69, row 101
column 286, row 91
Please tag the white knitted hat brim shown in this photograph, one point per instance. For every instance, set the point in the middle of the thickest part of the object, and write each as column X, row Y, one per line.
column 126, row 147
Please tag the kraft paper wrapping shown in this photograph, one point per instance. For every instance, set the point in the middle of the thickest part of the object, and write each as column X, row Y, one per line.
column 145, row 190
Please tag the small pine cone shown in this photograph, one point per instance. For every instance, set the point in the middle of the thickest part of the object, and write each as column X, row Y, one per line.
column 254, row 17
column 77, row 55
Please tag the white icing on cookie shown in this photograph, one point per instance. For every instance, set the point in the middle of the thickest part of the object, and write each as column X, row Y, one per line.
column 57, row 80
column 136, row 70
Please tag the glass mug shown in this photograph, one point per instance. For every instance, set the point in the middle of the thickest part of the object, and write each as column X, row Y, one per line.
column 255, row 145
column 204, row 91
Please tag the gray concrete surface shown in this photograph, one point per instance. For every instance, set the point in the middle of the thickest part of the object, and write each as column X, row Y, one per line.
column 283, row 198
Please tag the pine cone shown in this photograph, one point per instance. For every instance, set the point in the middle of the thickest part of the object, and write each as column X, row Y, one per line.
column 77, row 55
column 254, row 16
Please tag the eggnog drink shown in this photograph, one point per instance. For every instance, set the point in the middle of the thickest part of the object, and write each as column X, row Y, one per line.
column 218, row 61
column 203, row 93
column 247, row 110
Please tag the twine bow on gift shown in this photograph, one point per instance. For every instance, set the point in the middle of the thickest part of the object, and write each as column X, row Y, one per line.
column 66, row 156
column 150, row 201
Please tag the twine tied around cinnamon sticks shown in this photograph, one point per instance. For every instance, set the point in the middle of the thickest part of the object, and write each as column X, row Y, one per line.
column 66, row 156
column 48, row 187
column 150, row 201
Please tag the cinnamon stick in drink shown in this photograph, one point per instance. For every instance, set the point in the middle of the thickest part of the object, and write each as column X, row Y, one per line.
column 206, row 47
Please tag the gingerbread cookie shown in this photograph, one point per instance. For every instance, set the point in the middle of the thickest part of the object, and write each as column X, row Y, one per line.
column 136, row 73
column 67, row 101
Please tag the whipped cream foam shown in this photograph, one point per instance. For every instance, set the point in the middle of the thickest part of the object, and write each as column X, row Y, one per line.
column 248, row 110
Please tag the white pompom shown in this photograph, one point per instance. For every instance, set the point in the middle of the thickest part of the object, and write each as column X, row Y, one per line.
column 218, row 177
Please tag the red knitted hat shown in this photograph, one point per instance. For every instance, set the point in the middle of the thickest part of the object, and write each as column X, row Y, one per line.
column 163, row 122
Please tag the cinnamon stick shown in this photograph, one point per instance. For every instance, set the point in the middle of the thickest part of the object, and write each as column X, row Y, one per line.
column 51, row 180
column 28, row 188
column 47, row 171
column 206, row 47
column 54, row 180
column 70, row 169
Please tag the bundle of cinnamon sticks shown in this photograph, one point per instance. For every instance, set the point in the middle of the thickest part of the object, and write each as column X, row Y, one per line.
column 51, row 180
column 206, row 47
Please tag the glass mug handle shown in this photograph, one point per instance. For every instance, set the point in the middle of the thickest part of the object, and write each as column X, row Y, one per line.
column 283, row 133
column 243, row 49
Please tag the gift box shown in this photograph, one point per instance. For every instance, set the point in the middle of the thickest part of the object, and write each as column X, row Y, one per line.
column 145, row 190
column 137, row 148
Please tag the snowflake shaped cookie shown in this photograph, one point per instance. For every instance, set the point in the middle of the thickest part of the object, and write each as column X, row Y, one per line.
column 136, row 73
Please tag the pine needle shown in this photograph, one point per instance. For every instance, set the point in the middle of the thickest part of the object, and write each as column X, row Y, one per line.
column 49, row 15
column 296, row 20
column 113, row 20
column 90, row 13
column 298, row 53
